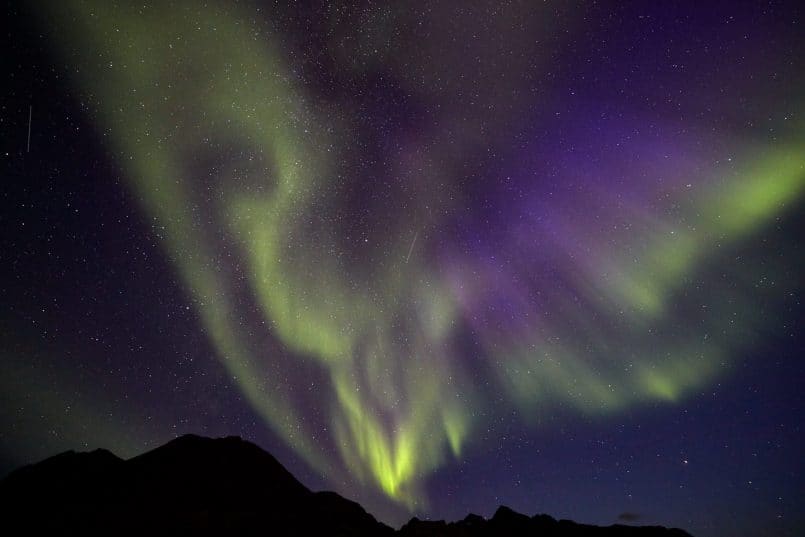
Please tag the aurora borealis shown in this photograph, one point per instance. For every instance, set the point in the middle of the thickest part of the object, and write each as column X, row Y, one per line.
column 398, row 236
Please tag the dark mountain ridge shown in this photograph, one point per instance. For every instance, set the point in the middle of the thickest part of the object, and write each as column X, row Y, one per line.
column 227, row 486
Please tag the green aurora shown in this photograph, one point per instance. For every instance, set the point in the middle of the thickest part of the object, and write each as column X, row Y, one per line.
column 236, row 163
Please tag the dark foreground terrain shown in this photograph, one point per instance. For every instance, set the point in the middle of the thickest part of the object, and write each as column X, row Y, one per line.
column 202, row 486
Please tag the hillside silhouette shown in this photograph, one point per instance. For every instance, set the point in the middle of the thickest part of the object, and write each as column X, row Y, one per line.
column 201, row 486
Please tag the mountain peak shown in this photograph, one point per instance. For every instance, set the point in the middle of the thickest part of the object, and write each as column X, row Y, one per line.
column 213, row 486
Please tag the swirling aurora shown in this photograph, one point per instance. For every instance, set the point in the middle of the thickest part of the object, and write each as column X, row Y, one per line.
column 398, row 225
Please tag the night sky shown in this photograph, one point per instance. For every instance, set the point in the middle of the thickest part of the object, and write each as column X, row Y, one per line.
column 436, row 256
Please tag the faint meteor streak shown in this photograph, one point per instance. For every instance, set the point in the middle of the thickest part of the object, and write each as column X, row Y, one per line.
column 30, row 112
column 411, row 249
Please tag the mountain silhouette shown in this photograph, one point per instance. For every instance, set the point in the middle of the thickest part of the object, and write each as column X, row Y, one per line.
column 202, row 486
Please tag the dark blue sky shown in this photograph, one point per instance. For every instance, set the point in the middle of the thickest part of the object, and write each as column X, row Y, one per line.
column 536, row 166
